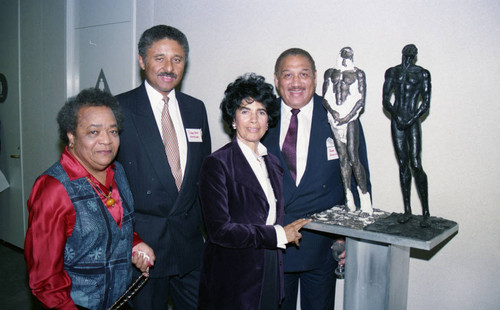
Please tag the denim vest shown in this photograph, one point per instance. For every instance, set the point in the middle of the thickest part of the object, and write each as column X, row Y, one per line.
column 98, row 254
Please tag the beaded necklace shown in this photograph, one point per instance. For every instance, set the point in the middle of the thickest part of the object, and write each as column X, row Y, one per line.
column 109, row 201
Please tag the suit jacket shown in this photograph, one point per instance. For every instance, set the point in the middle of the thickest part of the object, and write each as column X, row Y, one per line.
column 235, row 210
column 168, row 220
column 320, row 188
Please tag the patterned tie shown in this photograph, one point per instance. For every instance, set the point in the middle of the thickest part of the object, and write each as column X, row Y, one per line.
column 171, row 144
column 289, row 148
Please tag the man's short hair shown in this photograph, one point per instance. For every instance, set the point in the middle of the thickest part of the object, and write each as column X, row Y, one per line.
column 161, row 32
column 295, row 51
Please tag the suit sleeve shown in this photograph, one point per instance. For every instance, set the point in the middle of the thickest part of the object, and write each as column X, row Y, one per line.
column 217, row 209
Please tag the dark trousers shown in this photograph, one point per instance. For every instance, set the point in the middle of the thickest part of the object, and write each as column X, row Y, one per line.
column 270, row 289
column 183, row 291
column 317, row 288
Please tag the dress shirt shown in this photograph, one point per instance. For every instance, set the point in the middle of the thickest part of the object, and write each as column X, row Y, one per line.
column 304, row 119
column 51, row 222
column 157, row 103
column 259, row 168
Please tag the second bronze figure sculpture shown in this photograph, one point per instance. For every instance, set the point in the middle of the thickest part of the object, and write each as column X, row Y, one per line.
column 411, row 86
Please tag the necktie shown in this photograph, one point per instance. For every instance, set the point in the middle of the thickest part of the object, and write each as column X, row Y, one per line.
column 171, row 144
column 289, row 148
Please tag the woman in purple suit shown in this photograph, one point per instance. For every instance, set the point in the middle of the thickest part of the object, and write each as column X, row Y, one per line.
column 242, row 204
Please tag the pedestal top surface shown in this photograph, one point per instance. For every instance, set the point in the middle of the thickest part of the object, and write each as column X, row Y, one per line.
column 383, row 227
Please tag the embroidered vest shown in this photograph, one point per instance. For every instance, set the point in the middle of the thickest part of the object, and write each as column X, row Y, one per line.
column 98, row 254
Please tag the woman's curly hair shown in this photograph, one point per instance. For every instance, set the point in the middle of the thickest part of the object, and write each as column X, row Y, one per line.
column 67, row 118
column 253, row 87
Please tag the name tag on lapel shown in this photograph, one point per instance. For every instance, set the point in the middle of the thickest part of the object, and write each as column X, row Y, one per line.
column 194, row 134
column 331, row 151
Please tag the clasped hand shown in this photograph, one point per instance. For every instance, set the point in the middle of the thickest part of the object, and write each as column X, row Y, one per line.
column 143, row 257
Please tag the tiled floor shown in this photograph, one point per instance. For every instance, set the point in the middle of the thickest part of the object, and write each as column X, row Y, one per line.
column 14, row 291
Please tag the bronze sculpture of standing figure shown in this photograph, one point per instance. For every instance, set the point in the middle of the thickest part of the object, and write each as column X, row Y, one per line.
column 411, row 85
column 344, row 92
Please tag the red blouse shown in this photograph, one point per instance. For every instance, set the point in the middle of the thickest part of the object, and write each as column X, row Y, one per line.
column 51, row 221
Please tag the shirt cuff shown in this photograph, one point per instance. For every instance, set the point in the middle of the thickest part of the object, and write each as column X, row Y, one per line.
column 280, row 236
column 136, row 239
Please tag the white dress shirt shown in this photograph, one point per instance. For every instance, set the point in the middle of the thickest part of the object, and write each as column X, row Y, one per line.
column 157, row 103
column 304, row 119
column 259, row 168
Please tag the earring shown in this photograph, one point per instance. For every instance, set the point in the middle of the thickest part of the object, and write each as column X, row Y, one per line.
column 234, row 126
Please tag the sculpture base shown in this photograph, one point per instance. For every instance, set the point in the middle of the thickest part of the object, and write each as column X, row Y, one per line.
column 383, row 227
column 411, row 229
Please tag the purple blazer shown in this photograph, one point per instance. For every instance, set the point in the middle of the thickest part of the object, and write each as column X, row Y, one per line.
column 235, row 209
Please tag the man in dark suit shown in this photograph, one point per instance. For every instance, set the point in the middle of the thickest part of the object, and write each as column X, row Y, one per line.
column 163, row 144
column 311, row 183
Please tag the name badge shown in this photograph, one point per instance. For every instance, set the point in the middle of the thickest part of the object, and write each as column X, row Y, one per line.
column 194, row 135
column 331, row 151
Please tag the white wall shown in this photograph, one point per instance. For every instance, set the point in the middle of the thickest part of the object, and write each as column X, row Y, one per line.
column 458, row 43
column 43, row 85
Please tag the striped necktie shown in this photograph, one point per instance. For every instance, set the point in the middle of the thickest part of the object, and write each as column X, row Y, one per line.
column 171, row 144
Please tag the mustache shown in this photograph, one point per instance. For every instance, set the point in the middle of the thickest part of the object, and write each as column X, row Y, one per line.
column 170, row 74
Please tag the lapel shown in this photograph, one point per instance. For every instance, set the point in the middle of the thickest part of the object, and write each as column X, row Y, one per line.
column 188, row 121
column 317, row 141
column 272, row 142
column 276, row 177
column 244, row 175
column 150, row 138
